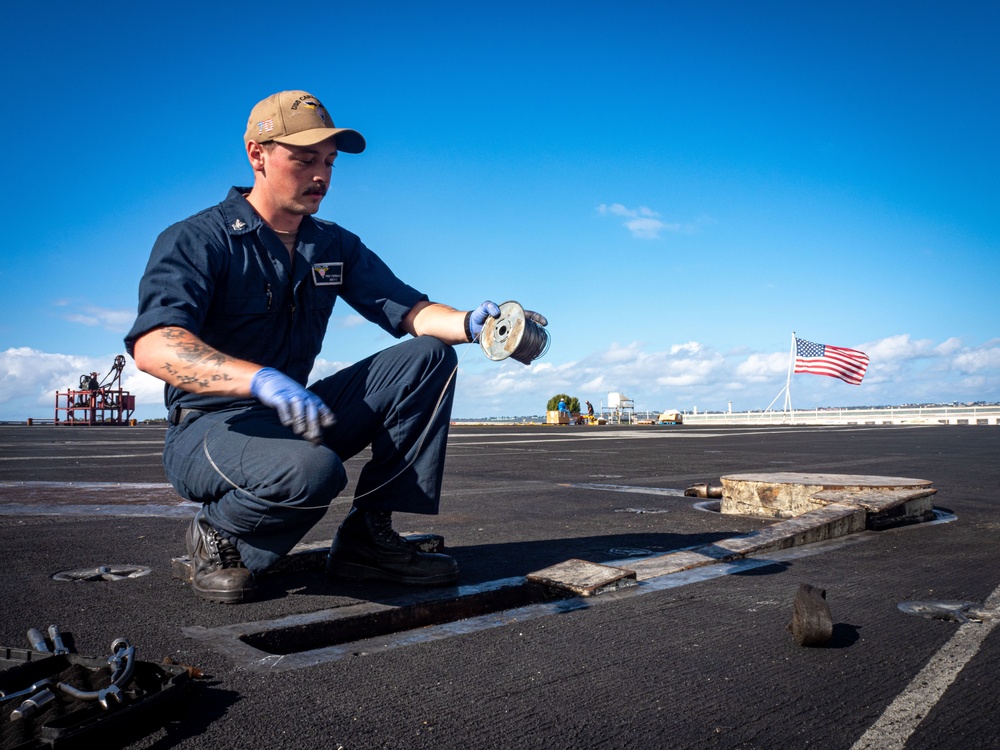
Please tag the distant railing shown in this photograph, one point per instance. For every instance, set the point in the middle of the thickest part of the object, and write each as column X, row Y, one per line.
column 948, row 415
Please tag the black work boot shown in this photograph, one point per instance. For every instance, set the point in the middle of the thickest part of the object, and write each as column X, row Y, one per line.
column 217, row 570
column 366, row 548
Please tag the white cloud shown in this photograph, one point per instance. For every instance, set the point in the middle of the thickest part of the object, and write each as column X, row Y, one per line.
column 642, row 222
column 323, row 368
column 118, row 321
column 684, row 375
column 691, row 347
column 950, row 346
column 29, row 379
column 676, row 375
column 759, row 367
column 148, row 391
column 352, row 321
column 901, row 348
column 617, row 353
column 979, row 359
column 615, row 208
column 647, row 229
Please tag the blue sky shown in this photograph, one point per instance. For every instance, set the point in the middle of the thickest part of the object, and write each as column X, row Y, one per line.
column 677, row 186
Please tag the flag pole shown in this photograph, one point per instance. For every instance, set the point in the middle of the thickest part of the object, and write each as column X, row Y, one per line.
column 788, row 382
column 787, row 389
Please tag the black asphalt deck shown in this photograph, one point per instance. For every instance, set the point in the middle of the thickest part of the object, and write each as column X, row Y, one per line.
column 706, row 664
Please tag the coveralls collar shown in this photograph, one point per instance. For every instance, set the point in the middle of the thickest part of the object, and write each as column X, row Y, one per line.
column 241, row 218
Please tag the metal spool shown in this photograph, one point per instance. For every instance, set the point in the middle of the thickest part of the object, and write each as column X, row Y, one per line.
column 513, row 335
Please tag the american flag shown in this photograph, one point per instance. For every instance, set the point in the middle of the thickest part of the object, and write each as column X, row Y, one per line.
column 820, row 359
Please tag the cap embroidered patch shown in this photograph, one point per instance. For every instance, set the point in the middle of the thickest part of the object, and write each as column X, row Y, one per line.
column 297, row 118
column 327, row 274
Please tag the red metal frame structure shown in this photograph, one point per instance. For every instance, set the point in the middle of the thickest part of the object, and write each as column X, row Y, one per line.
column 96, row 403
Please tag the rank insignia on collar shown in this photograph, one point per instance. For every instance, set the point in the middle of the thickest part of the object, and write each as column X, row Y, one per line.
column 238, row 225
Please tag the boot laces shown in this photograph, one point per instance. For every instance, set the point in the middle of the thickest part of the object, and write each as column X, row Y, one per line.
column 229, row 556
column 381, row 524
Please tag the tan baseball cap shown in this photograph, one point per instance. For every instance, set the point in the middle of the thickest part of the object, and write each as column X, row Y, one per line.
column 298, row 118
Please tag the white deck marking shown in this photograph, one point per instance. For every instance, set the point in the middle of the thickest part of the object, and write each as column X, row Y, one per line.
column 584, row 434
column 901, row 718
column 100, row 457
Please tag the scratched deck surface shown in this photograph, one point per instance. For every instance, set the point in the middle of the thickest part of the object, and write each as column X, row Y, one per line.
column 708, row 664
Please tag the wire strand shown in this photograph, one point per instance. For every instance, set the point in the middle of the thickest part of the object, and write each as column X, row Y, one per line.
column 416, row 452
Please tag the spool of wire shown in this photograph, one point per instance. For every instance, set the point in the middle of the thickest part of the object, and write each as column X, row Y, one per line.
column 514, row 335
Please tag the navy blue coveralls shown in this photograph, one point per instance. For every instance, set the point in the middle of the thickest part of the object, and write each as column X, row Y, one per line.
column 226, row 277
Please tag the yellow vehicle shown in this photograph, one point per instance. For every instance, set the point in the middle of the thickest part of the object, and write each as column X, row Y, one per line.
column 671, row 416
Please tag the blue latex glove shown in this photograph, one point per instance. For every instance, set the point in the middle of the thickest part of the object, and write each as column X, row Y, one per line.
column 477, row 319
column 298, row 408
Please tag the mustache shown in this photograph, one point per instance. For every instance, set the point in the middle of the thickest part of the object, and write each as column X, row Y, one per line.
column 316, row 190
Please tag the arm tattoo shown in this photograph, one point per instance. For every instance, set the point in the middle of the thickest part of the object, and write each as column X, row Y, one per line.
column 195, row 352
column 190, row 354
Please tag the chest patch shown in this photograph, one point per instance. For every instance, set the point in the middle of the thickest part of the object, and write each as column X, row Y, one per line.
column 327, row 274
